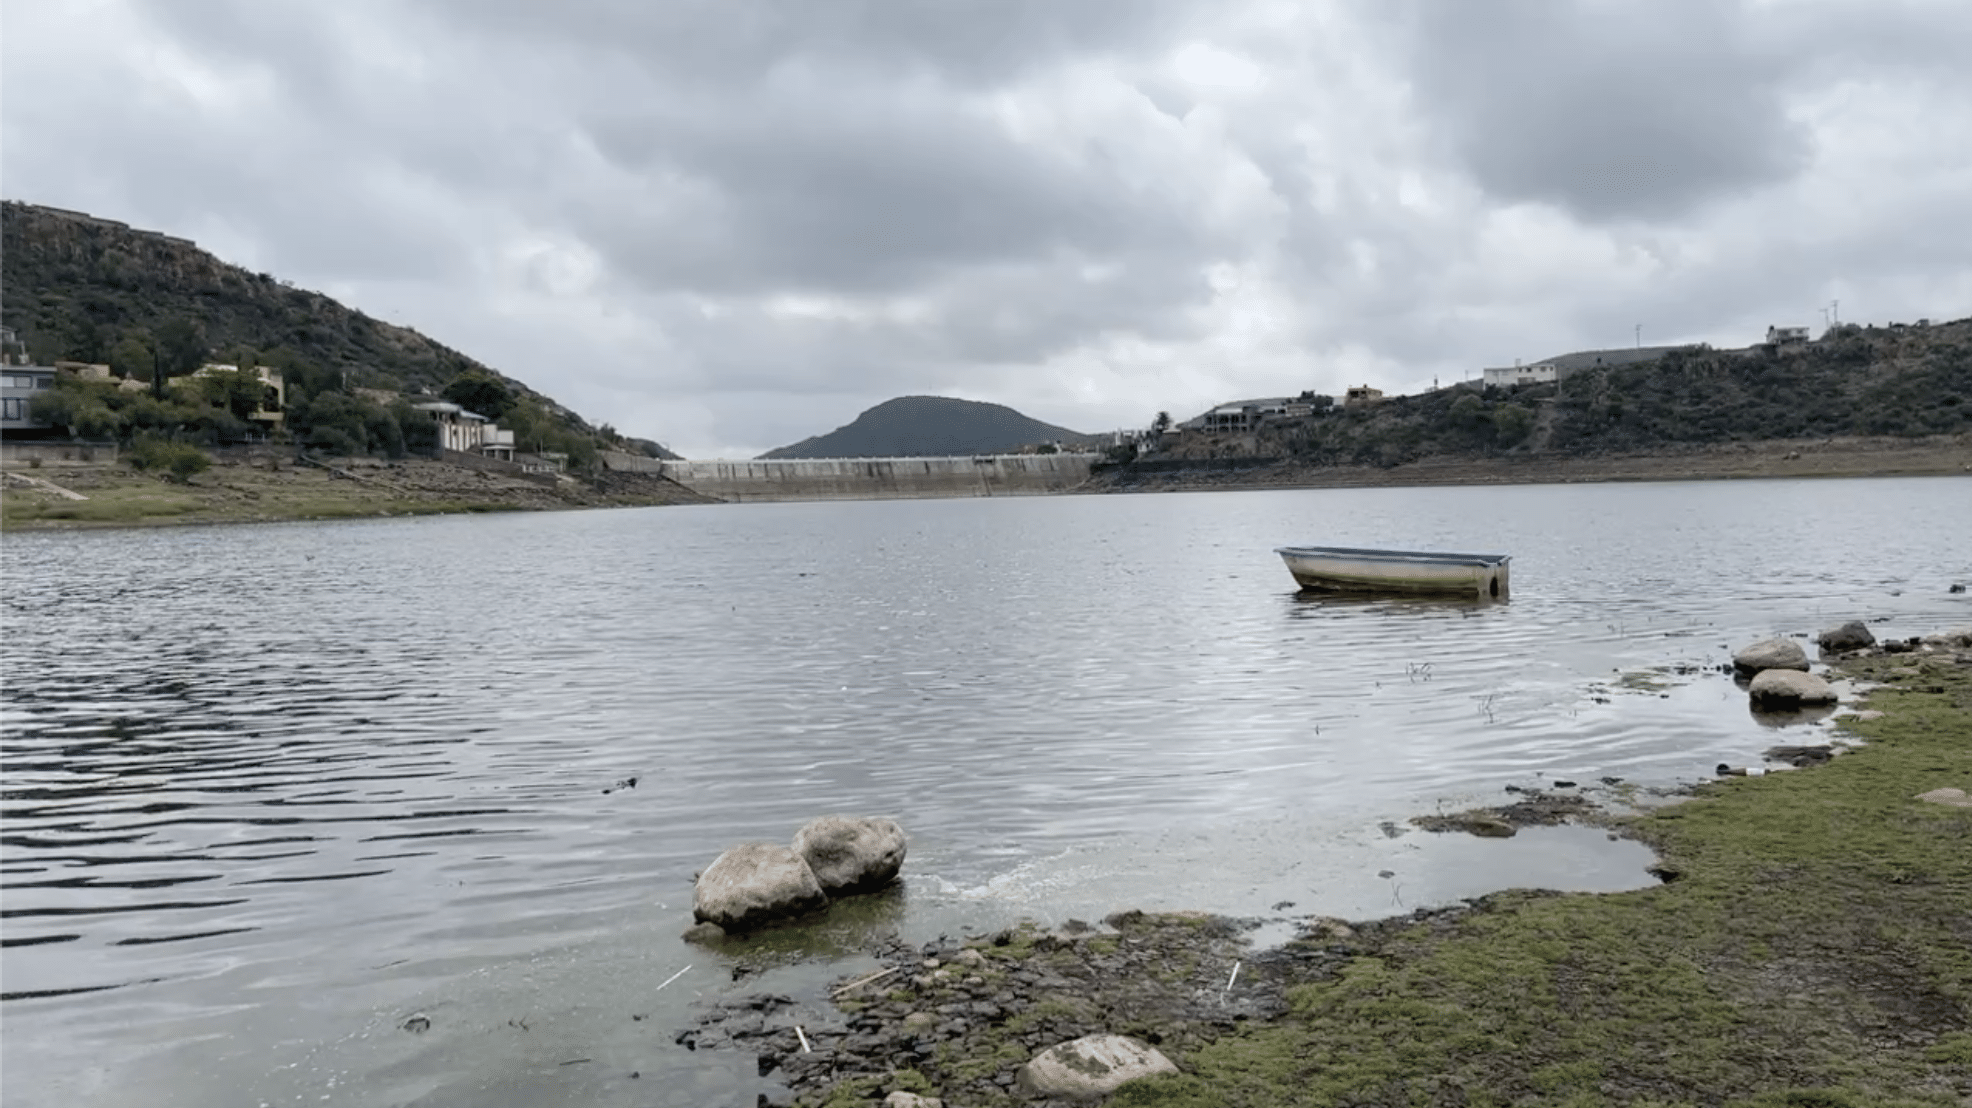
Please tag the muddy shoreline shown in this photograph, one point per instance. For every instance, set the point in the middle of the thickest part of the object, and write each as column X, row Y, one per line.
column 1660, row 996
column 956, row 1018
column 279, row 490
column 276, row 490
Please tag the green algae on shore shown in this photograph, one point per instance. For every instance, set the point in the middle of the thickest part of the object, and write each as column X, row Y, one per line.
column 1814, row 948
column 1811, row 945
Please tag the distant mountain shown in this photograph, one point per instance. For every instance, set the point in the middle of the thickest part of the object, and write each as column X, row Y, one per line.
column 929, row 427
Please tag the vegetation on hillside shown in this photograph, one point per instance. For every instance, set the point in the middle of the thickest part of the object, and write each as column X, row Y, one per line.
column 1855, row 381
column 155, row 309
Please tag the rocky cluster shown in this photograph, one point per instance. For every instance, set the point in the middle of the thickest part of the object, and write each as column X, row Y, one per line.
column 1777, row 669
column 754, row 884
column 1038, row 1019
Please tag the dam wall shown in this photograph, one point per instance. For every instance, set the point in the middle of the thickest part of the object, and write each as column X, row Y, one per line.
column 883, row 478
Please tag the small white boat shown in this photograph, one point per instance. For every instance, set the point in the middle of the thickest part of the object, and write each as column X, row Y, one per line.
column 1343, row 569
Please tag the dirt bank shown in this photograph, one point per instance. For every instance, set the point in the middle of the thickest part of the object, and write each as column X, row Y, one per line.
column 281, row 489
column 1821, row 458
column 1810, row 944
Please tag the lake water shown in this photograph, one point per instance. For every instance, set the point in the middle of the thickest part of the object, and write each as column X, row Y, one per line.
column 271, row 791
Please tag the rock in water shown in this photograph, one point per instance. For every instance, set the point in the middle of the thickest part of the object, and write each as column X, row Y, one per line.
column 703, row 933
column 1771, row 654
column 1850, row 636
column 1784, row 688
column 851, row 854
column 753, row 884
column 1090, row 1067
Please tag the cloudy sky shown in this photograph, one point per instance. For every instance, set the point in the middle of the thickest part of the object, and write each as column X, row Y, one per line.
column 731, row 225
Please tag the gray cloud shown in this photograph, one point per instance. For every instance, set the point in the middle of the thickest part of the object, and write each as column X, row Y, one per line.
column 731, row 226
column 1609, row 110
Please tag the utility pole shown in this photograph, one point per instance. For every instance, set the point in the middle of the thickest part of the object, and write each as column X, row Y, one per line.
column 1639, row 336
column 1835, row 311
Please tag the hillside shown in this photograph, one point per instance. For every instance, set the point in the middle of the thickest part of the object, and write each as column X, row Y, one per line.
column 930, row 426
column 75, row 287
column 1855, row 382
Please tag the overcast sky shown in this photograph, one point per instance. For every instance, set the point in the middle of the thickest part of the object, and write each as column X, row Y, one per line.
column 731, row 225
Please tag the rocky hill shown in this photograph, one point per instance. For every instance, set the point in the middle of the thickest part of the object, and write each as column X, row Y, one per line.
column 75, row 286
column 931, row 426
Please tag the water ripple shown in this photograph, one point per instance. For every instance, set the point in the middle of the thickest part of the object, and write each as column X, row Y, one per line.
column 247, row 767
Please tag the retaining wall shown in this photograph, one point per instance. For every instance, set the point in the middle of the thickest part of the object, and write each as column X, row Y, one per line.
column 57, row 452
column 620, row 462
column 883, row 478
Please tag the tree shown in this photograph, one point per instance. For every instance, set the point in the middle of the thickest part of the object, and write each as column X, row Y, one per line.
column 239, row 391
column 477, row 392
column 334, row 423
column 131, row 358
column 1512, row 423
column 181, row 349
column 1161, row 424
column 180, row 459
column 419, row 430
column 91, row 341
column 1468, row 413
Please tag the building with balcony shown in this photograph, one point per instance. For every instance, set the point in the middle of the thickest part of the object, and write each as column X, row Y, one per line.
column 468, row 432
column 19, row 385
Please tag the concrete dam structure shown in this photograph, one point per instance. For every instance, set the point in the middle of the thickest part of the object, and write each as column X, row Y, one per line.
column 883, row 478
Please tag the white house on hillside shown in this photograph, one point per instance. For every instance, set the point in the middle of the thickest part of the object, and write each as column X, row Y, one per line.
column 468, row 432
column 1540, row 373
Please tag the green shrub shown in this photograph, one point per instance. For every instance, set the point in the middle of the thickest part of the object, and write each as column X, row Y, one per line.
column 180, row 459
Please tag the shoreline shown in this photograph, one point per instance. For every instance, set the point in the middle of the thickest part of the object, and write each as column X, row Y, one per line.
column 1809, row 942
column 1784, row 459
column 276, row 490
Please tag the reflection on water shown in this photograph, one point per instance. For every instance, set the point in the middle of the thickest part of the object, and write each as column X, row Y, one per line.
column 1320, row 604
column 270, row 791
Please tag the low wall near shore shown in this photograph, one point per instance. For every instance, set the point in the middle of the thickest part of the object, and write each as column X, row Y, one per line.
column 618, row 461
column 883, row 478
column 51, row 452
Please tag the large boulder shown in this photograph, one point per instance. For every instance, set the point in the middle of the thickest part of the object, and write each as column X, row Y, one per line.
column 1090, row 1067
column 1849, row 636
column 1786, row 688
column 1771, row 654
column 753, row 884
column 851, row 854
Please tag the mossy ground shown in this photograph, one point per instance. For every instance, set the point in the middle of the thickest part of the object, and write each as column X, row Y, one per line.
column 1815, row 949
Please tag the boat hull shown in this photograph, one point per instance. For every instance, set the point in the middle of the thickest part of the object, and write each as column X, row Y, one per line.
column 1411, row 572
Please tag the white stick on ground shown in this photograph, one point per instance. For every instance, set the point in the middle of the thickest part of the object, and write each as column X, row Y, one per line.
column 878, row 975
column 805, row 1048
column 672, row 978
column 1233, row 978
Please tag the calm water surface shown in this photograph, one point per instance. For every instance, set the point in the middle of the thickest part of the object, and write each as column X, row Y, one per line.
column 270, row 791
